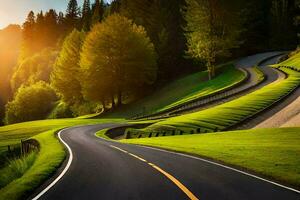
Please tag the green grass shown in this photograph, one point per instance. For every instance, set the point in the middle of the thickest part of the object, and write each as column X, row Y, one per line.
column 16, row 168
column 182, row 91
column 293, row 61
column 47, row 160
column 102, row 134
column 228, row 114
column 271, row 152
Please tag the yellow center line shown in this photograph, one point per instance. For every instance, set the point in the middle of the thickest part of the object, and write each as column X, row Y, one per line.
column 138, row 157
column 176, row 182
column 118, row 149
column 169, row 176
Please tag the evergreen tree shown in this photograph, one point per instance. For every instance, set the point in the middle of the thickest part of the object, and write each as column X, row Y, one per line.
column 117, row 57
column 282, row 21
column 65, row 75
column 163, row 21
column 115, row 6
column 98, row 12
column 72, row 15
column 28, row 36
column 86, row 15
column 51, row 26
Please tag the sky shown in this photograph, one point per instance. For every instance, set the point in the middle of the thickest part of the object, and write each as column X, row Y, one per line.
column 15, row 11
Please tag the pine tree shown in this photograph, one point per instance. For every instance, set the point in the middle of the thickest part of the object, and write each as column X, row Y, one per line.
column 281, row 21
column 86, row 15
column 98, row 12
column 51, row 26
column 72, row 15
column 28, row 36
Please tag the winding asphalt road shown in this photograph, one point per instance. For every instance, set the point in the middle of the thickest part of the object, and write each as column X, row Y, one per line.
column 108, row 170
column 250, row 85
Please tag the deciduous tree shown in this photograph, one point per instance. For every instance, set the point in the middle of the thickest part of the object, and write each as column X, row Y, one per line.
column 65, row 75
column 211, row 31
column 117, row 57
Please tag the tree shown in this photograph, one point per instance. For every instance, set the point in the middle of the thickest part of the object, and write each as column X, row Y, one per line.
column 117, row 56
column 163, row 22
column 65, row 75
column 31, row 103
column 28, row 34
column 86, row 15
column 34, row 69
column 98, row 12
column 211, row 31
column 51, row 28
column 282, row 21
column 72, row 14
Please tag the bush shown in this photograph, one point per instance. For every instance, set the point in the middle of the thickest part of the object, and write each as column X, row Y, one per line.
column 61, row 110
column 30, row 103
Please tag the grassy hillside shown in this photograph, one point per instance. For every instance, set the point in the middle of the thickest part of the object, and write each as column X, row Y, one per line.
column 292, row 61
column 227, row 114
column 271, row 152
column 181, row 91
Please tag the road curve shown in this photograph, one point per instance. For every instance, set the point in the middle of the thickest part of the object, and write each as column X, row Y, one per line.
column 108, row 170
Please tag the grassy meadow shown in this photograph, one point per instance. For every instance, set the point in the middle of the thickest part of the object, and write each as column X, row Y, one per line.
column 273, row 153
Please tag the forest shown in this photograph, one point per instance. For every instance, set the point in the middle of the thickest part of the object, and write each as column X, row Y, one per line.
column 99, row 56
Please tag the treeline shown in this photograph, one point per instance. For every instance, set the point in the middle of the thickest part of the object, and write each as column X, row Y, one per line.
column 98, row 56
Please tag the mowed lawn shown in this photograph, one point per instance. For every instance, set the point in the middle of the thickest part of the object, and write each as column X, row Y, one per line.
column 182, row 91
column 272, row 153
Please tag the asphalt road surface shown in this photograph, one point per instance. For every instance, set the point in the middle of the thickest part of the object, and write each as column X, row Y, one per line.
column 108, row 170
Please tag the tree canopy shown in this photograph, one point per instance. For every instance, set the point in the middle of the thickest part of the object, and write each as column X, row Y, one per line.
column 117, row 56
column 66, row 72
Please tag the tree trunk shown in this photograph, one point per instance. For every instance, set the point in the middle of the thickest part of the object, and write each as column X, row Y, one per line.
column 119, row 97
column 113, row 104
column 103, row 105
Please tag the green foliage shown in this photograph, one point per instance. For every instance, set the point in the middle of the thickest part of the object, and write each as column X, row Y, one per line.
column 66, row 72
column 163, row 22
column 72, row 15
column 98, row 12
column 34, row 69
column 86, row 15
column 270, row 152
column 85, row 108
column 212, row 31
column 30, row 103
column 16, row 168
column 117, row 57
column 281, row 21
column 61, row 110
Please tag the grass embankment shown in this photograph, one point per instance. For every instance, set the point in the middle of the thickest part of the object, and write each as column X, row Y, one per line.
column 293, row 61
column 225, row 115
column 31, row 174
column 182, row 91
column 270, row 152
